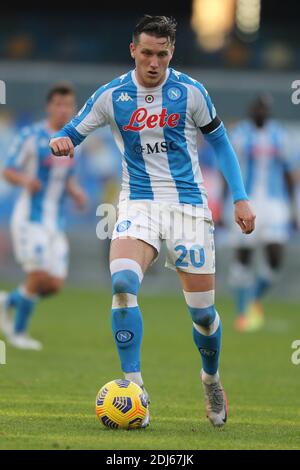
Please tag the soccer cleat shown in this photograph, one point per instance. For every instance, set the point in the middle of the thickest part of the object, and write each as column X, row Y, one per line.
column 6, row 324
column 216, row 402
column 255, row 316
column 146, row 421
column 241, row 323
column 23, row 341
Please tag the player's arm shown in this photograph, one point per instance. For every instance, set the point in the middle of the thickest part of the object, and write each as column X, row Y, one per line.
column 214, row 132
column 89, row 118
column 288, row 157
column 290, row 182
column 17, row 178
column 230, row 168
column 76, row 192
column 13, row 172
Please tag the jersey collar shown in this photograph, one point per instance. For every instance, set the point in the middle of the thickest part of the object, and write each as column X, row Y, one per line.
column 149, row 89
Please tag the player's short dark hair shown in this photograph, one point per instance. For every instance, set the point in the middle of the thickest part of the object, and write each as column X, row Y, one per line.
column 159, row 26
column 62, row 88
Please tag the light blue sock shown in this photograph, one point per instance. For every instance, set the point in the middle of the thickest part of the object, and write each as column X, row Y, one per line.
column 242, row 296
column 262, row 285
column 127, row 325
column 207, row 334
column 127, row 322
column 209, row 348
column 25, row 305
column 241, row 279
column 13, row 298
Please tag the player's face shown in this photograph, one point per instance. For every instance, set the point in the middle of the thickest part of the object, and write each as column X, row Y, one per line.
column 260, row 113
column 152, row 56
column 61, row 109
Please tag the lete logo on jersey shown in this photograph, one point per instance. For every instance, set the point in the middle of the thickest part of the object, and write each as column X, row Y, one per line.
column 140, row 119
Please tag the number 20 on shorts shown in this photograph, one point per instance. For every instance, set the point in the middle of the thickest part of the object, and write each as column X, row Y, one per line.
column 194, row 256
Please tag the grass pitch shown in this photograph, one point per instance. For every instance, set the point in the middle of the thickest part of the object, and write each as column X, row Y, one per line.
column 47, row 399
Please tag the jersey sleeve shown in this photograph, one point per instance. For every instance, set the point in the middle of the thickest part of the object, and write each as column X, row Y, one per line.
column 21, row 150
column 91, row 116
column 204, row 112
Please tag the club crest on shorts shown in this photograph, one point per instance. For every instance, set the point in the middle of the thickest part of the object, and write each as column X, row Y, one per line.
column 123, row 226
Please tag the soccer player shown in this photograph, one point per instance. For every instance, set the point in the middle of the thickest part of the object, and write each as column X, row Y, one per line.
column 261, row 144
column 155, row 113
column 37, row 226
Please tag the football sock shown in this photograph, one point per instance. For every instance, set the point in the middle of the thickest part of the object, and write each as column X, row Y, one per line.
column 24, row 304
column 241, row 280
column 264, row 281
column 12, row 298
column 207, row 328
column 127, row 322
column 261, row 286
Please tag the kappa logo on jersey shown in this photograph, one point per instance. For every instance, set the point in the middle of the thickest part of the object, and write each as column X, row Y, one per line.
column 124, row 97
column 177, row 74
column 140, row 119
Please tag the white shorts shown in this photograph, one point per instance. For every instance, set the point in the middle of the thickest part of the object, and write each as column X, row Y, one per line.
column 38, row 249
column 187, row 230
column 271, row 225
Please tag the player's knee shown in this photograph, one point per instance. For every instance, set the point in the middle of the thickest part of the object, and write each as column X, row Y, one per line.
column 126, row 276
column 38, row 282
column 201, row 307
column 49, row 286
column 244, row 256
column 275, row 262
column 54, row 286
column 203, row 316
column 125, row 282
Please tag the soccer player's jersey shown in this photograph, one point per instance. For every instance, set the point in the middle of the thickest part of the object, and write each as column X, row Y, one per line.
column 155, row 130
column 30, row 154
column 263, row 158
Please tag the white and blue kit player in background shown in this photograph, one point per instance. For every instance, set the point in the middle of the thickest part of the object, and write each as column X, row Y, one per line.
column 155, row 113
column 265, row 158
column 37, row 224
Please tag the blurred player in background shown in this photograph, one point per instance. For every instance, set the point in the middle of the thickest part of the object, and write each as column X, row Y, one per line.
column 155, row 113
column 37, row 225
column 261, row 144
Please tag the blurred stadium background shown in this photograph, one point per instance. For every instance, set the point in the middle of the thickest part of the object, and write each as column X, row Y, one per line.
column 237, row 48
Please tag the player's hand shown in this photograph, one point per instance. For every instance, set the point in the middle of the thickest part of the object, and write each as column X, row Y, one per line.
column 62, row 147
column 33, row 185
column 244, row 216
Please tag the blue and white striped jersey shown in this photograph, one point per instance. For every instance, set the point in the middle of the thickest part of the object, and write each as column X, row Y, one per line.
column 155, row 130
column 30, row 154
column 263, row 155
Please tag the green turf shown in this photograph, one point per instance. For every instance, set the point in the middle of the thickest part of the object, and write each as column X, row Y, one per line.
column 47, row 398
